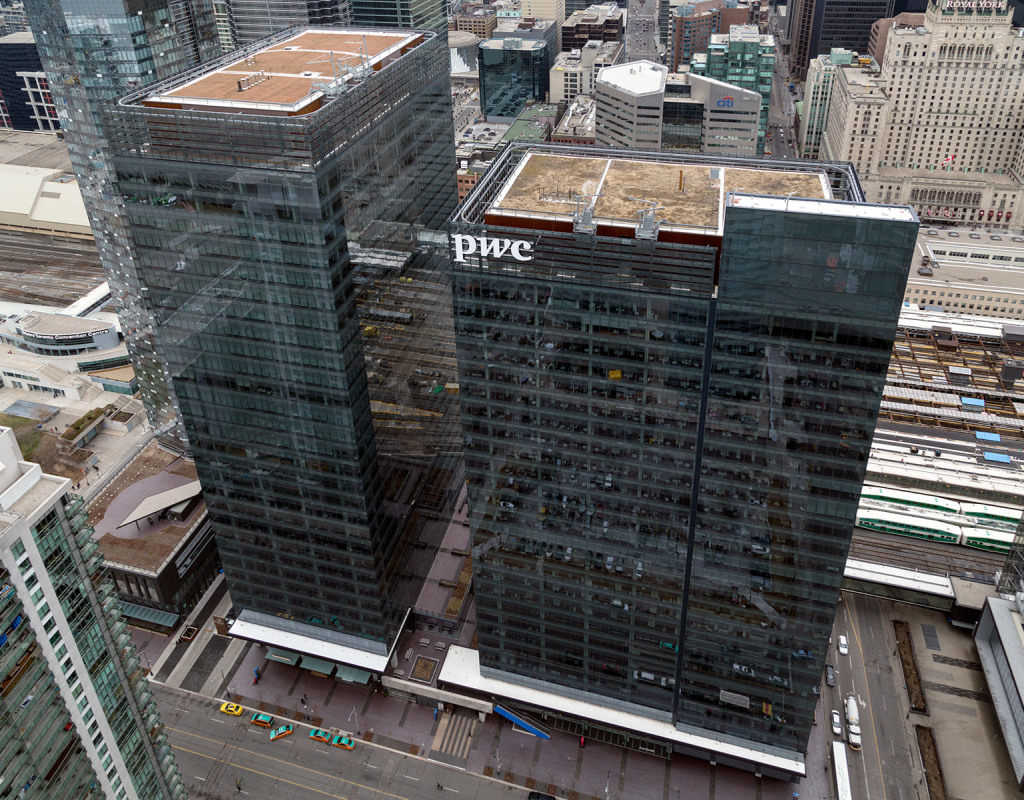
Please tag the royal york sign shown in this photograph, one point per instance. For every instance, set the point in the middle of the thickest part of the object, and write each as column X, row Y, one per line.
column 489, row 247
column 975, row 5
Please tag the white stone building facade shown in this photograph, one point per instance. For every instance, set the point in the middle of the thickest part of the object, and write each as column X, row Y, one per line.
column 941, row 126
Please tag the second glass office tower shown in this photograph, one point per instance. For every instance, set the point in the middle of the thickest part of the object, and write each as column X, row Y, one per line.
column 246, row 184
column 94, row 52
column 668, row 413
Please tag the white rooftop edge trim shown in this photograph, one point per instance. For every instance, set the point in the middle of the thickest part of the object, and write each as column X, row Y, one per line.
column 308, row 645
column 832, row 208
column 462, row 668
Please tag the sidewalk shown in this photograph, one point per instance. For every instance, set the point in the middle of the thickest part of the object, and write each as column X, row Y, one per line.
column 960, row 711
column 223, row 668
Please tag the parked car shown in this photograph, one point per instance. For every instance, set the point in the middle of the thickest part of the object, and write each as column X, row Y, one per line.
column 844, row 646
column 802, row 654
column 343, row 742
column 830, row 675
column 263, row 720
column 320, row 735
column 743, row 670
column 280, row 733
column 231, row 708
column 837, row 724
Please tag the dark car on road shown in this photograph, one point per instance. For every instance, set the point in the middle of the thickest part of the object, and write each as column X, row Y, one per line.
column 830, row 675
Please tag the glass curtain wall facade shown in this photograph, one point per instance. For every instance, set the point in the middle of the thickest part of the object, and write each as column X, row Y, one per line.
column 429, row 14
column 682, row 121
column 513, row 72
column 665, row 447
column 253, row 20
column 18, row 55
column 253, row 289
column 78, row 713
column 846, row 24
column 94, row 52
column 743, row 58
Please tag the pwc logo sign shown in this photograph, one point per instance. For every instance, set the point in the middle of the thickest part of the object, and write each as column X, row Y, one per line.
column 725, row 102
column 490, row 248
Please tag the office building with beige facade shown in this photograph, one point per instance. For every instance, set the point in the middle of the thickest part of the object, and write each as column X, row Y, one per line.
column 941, row 125
column 574, row 73
column 968, row 272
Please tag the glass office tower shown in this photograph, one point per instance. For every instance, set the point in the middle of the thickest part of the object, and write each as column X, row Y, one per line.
column 94, row 52
column 431, row 14
column 745, row 58
column 78, row 716
column 513, row 72
column 255, row 19
column 670, row 370
column 248, row 186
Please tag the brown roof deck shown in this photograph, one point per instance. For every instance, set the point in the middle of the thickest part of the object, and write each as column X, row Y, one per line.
column 283, row 64
column 543, row 185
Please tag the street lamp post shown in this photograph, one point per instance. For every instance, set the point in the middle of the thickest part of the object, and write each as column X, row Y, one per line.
column 356, row 715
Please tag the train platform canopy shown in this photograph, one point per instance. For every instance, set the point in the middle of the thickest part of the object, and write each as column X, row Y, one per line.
column 42, row 199
column 178, row 496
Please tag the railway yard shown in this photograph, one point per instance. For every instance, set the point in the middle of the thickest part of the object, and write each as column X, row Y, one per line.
column 927, row 556
column 45, row 270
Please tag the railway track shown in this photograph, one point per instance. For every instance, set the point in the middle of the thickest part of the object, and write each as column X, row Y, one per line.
column 910, row 553
column 47, row 270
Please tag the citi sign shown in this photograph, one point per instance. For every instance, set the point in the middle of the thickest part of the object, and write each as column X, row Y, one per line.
column 725, row 102
column 490, row 248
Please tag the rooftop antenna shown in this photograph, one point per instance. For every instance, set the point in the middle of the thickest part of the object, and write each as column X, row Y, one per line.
column 341, row 71
column 647, row 226
column 583, row 217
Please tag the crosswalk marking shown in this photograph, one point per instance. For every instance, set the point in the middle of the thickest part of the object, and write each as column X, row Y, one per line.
column 455, row 735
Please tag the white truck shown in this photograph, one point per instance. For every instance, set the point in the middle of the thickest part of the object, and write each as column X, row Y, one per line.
column 852, row 722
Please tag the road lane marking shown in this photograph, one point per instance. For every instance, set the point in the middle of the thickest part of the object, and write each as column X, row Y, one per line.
column 410, row 777
column 864, row 669
column 279, row 779
column 278, row 760
column 276, row 778
column 200, row 779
